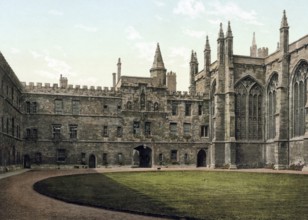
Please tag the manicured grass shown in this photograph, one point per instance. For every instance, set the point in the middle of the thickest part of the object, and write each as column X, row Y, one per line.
column 193, row 194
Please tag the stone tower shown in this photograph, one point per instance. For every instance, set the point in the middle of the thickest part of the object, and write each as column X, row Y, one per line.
column 171, row 81
column 158, row 70
column 253, row 48
column 63, row 82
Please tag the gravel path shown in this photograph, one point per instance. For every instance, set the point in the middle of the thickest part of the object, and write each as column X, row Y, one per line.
column 18, row 201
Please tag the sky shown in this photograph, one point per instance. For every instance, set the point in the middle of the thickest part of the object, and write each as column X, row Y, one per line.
column 83, row 39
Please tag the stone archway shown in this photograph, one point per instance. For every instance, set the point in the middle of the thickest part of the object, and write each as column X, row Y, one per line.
column 92, row 161
column 27, row 161
column 142, row 156
column 201, row 158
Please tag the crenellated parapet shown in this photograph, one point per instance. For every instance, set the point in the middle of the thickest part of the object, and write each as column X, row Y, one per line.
column 75, row 90
column 187, row 95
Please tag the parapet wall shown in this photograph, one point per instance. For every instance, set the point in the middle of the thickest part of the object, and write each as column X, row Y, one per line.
column 187, row 95
column 76, row 90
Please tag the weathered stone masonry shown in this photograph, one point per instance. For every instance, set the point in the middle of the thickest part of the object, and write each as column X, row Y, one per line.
column 240, row 111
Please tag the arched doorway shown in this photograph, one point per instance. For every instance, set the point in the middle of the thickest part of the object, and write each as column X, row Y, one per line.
column 92, row 161
column 27, row 161
column 201, row 158
column 142, row 155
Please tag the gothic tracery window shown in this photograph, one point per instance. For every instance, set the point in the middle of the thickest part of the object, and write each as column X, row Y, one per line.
column 299, row 99
column 248, row 110
column 271, row 106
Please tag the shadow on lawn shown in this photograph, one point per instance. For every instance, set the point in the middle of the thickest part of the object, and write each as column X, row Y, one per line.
column 100, row 191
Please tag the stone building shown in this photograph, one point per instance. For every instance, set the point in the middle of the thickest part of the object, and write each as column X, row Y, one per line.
column 240, row 111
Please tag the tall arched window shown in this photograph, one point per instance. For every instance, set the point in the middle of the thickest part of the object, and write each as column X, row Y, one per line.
column 248, row 110
column 271, row 106
column 299, row 99
column 212, row 109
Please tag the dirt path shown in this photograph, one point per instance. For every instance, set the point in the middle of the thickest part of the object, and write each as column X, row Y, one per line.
column 19, row 201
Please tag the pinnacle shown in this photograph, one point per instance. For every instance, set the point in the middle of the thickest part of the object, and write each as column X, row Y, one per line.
column 229, row 32
column 254, row 39
column 158, row 60
column 284, row 20
column 221, row 33
column 207, row 44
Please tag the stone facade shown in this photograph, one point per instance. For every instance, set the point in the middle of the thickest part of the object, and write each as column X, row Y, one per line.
column 240, row 112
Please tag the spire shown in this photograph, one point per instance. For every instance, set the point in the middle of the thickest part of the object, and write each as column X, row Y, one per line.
column 229, row 32
column 158, row 60
column 284, row 21
column 254, row 39
column 253, row 48
column 221, row 33
column 207, row 44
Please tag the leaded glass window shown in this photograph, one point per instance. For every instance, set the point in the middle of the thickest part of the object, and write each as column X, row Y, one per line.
column 271, row 92
column 299, row 100
column 248, row 110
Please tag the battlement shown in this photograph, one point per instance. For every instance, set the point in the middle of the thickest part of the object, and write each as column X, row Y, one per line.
column 171, row 73
column 55, row 88
column 262, row 52
column 186, row 95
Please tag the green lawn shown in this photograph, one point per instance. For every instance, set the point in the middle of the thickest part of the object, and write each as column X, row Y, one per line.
column 193, row 194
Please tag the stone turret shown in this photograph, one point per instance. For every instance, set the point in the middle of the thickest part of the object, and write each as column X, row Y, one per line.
column 171, row 81
column 119, row 64
column 158, row 70
column 63, row 82
column 207, row 63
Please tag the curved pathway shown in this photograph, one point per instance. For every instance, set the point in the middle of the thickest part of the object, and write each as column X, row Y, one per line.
column 19, row 201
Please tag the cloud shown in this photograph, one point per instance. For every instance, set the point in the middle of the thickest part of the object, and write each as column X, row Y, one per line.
column 132, row 33
column 230, row 11
column 146, row 50
column 159, row 3
column 191, row 8
column 159, row 18
column 182, row 53
column 179, row 52
column 35, row 54
column 215, row 21
column 193, row 33
column 58, row 66
column 55, row 12
column 86, row 28
column 53, row 66
column 15, row 50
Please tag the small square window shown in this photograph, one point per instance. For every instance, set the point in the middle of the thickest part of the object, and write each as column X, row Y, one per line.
column 73, row 131
column 61, row 155
column 204, row 131
column 187, row 127
column 119, row 131
column 105, row 131
column 174, row 155
column 173, row 128
column 187, row 109
column 136, row 127
column 174, row 108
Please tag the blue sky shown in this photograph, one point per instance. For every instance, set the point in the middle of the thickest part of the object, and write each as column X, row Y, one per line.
column 82, row 39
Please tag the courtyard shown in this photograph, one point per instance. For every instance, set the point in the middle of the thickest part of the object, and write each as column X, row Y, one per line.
column 168, row 193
